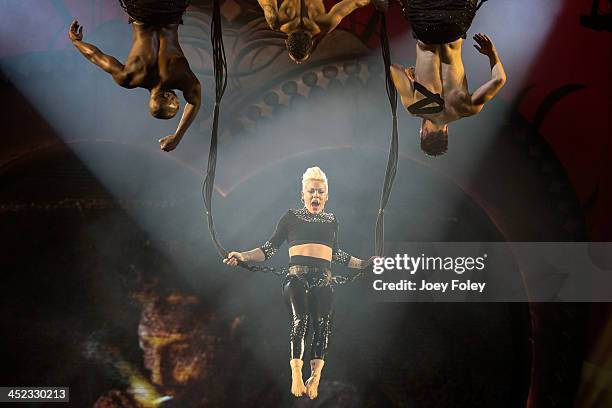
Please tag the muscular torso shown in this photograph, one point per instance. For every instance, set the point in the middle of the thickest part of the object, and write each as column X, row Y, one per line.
column 156, row 58
column 140, row 68
column 447, row 79
column 174, row 70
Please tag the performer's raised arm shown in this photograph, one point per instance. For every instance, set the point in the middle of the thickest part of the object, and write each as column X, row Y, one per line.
column 92, row 53
column 498, row 77
column 193, row 98
column 270, row 9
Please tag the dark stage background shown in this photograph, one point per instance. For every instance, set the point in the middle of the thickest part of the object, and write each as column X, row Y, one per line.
column 105, row 249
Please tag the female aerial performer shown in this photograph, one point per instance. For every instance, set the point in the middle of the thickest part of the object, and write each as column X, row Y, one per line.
column 156, row 61
column 306, row 22
column 312, row 236
column 437, row 90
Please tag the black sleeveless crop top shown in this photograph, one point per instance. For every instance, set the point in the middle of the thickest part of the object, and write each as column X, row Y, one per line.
column 302, row 227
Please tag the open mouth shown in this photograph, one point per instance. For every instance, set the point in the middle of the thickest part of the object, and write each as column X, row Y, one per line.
column 316, row 204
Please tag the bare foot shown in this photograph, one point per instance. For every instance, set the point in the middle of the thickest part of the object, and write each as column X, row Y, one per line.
column 297, row 386
column 312, row 387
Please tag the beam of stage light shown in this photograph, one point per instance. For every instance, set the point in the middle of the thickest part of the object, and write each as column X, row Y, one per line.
column 519, row 29
column 119, row 165
column 90, row 114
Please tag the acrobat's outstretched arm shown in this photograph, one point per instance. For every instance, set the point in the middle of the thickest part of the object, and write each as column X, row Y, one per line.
column 92, row 53
column 498, row 77
column 193, row 98
column 270, row 9
column 340, row 10
column 403, row 79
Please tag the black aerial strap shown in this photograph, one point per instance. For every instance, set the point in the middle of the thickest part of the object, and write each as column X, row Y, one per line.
column 419, row 107
column 220, row 72
column 393, row 148
column 480, row 4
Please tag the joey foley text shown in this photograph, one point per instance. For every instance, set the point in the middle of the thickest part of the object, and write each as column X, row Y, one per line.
column 411, row 265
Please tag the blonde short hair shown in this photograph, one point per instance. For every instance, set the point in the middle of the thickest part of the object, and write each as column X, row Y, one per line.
column 313, row 173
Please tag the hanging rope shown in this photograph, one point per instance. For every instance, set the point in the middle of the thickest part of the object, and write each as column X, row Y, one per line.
column 393, row 148
column 480, row 4
column 220, row 72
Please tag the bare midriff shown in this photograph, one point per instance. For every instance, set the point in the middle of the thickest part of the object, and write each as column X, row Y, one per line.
column 313, row 250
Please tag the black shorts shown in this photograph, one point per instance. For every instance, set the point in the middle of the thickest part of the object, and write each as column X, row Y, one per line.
column 155, row 12
column 439, row 21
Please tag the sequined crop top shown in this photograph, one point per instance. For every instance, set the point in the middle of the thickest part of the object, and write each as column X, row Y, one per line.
column 302, row 227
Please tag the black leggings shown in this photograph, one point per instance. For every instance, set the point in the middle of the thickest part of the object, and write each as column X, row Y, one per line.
column 309, row 297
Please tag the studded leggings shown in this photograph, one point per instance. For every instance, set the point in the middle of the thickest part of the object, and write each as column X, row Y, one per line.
column 309, row 298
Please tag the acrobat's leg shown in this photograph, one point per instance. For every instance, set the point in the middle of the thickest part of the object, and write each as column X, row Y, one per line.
column 321, row 300
column 295, row 295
